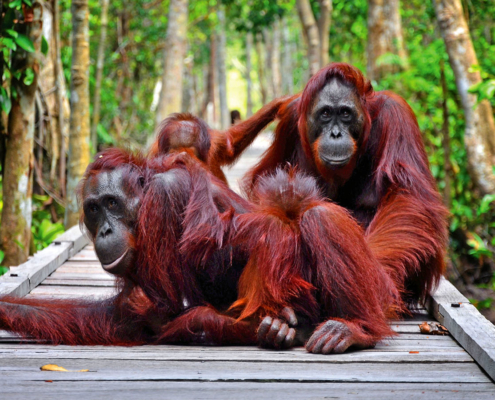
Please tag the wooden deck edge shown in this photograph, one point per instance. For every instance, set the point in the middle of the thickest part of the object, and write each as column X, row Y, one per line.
column 20, row 280
column 465, row 323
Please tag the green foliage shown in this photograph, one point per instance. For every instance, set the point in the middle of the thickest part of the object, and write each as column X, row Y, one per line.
column 45, row 232
column 24, row 42
column 484, row 89
column 43, row 229
column 3, row 270
column 12, row 41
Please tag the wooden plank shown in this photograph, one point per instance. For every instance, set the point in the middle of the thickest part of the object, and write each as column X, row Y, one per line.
column 473, row 331
column 395, row 345
column 84, row 256
column 135, row 370
column 80, row 269
column 65, row 292
column 219, row 354
column 79, row 282
column 22, row 279
column 445, row 293
column 243, row 390
column 75, row 236
column 73, row 276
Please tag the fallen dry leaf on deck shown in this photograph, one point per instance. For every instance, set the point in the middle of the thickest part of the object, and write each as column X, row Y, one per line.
column 433, row 329
column 425, row 327
column 55, row 367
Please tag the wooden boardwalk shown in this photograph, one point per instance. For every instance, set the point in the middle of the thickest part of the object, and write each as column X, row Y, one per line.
column 411, row 365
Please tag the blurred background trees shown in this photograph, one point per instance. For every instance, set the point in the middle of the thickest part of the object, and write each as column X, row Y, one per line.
column 148, row 58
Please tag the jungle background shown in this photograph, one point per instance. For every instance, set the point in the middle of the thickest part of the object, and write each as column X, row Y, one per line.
column 81, row 75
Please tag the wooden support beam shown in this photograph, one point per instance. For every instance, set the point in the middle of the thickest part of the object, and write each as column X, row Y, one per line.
column 465, row 323
column 20, row 280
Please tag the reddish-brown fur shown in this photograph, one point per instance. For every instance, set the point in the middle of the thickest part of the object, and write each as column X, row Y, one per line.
column 175, row 276
column 387, row 186
column 185, row 132
column 310, row 255
column 116, row 321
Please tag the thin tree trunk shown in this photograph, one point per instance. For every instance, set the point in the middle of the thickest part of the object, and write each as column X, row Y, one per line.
column 268, row 63
column 310, row 33
column 15, row 231
column 62, row 132
column 384, row 36
column 79, row 152
column 173, row 65
column 249, row 50
column 188, row 97
column 99, row 74
column 222, row 73
column 261, row 67
column 209, row 109
column 276, row 74
column 47, row 84
column 479, row 136
column 124, row 86
column 287, row 76
column 324, row 29
column 445, row 138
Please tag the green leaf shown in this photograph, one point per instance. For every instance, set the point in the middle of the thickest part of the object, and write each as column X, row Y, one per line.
column 28, row 77
column 103, row 135
column 12, row 33
column 2, row 256
column 44, row 46
column 9, row 43
column 19, row 244
column 15, row 4
column 474, row 88
column 25, row 43
column 485, row 203
column 5, row 101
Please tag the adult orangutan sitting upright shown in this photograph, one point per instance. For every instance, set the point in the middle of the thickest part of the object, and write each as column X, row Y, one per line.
column 366, row 152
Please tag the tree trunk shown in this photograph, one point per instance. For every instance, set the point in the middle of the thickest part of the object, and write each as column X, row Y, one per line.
column 384, row 36
column 287, row 76
column 261, row 67
column 249, row 49
column 63, row 107
column 15, row 231
column 48, row 84
column 209, row 106
column 276, row 74
column 310, row 33
column 124, row 81
column 222, row 73
column 324, row 29
column 268, row 64
column 79, row 153
column 479, row 137
column 173, row 64
column 445, row 138
column 99, row 74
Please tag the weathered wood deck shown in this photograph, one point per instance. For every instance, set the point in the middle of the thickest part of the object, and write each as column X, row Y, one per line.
column 412, row 365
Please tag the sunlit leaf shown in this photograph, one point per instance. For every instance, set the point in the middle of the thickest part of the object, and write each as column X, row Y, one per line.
column 25, row 43
column 44, row 46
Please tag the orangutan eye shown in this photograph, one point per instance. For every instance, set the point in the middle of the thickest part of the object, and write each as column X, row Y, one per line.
column 345, row 112
column 93, row 208
column 325, row 114
column 112, row 203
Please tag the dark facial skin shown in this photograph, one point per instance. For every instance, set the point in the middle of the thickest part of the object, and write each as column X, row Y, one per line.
column 111, row 203
column 336, row 123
